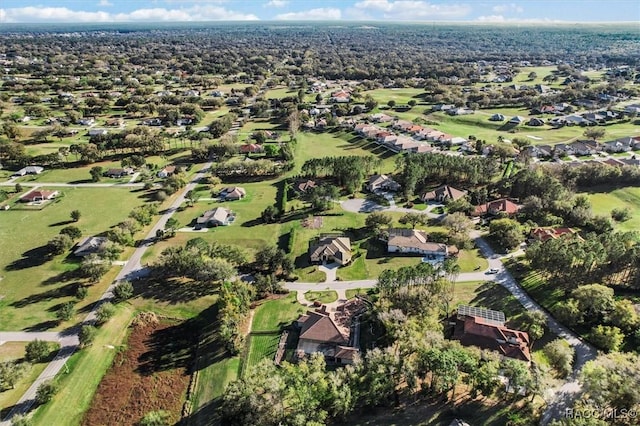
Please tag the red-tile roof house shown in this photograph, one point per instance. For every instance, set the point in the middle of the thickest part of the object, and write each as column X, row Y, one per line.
column 304, row 186
column 251, row 148
column 486, row 334
column 38, row 195
column 501, row 206
column 545, row 234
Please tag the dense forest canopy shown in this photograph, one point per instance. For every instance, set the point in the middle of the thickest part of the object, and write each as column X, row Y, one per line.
column 350, row 50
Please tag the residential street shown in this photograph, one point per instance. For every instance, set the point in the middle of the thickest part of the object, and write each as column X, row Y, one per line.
column 10, row 182
column 69, row 341
column 560, row 398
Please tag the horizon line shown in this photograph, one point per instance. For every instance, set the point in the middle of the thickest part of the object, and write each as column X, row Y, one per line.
column 330, row 21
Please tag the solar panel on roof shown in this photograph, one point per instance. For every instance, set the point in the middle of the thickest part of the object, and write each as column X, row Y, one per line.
column 490, row 316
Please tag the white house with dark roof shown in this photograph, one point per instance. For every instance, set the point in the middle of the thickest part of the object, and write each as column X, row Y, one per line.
column 90, row 245
column 382, row 183
column 415, row 241
column 29, row 170
column 219, row 216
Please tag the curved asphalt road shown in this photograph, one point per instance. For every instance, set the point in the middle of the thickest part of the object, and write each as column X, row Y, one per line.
column 560, row 398
column 69, row 341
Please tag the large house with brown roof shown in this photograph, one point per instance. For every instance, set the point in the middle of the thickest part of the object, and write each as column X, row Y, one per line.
column 330, row 249
column 496, row 207
column 330, row 333
column 118, row 172
column 251, row 148
column 306, row 185
column 545, row 234
column 443, row 194
column 404, row 240
column 166, row 172
column 485, row 329
column 38, row 195
column 233, row 193
column 382, row 183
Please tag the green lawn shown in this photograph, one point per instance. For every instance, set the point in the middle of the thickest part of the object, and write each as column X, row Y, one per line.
column 400, row 95
column 247, row 231
column 85, row 370
column 486, row 295
column 471, row 261
column 338, row 143
column 212, row 381
column 32, row 286
column 14, row 351
column 76, row 174
column 323, row 296
column 273, row 315
column 351, row 293
column 261, row 346
column 603, row 200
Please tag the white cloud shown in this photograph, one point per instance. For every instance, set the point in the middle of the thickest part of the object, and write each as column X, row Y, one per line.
column 63, row 14
column 276, row 3
column 414, row 10
column 491, row 18
column 501, row 18
column 504, row 8
column 193, row 1
column 320, row 14
column 105, row 3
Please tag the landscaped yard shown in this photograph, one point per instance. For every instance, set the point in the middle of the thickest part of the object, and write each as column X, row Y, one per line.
column 603, row 200
column 261, row 346
column 322, row 296
column 471, row 261
column 33, row 285
column 273, row 315
column 486, row 294
column 270, row 318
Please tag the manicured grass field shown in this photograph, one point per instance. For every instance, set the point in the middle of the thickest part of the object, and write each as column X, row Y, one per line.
column 9, row 397
column 471, row 261
column 400, row 95
column 32, row 285
column 324, row 296
column 339, row 143
column 275, row 314
column 14, row 351
column 486, row 295
column 603, row 200
column 212, row 382
column 85, row 370
column 261, row 346
column 351, row 293
column 76, row 174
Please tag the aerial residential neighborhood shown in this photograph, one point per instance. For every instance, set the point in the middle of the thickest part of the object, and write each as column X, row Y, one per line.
column 400, row 213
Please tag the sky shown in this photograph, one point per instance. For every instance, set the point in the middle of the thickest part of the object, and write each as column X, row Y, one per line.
column 490, row 11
